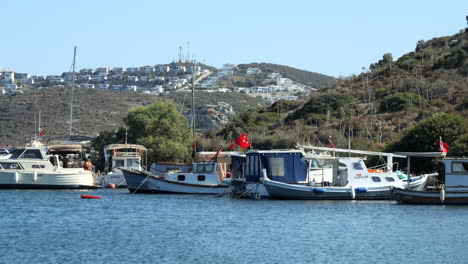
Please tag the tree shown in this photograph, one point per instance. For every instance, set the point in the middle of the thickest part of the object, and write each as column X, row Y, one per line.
column 399, row 102
column 424, row 137
column 102, row 140
column 161, row 129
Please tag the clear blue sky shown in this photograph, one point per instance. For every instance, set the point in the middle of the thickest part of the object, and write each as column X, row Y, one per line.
column 331, row 37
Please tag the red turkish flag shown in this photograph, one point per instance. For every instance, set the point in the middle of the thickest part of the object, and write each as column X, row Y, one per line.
column 243, row 141
column 443, row 146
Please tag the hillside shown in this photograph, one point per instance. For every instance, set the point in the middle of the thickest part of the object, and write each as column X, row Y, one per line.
column 375, row 107
column 96, row 110
column 312, row 79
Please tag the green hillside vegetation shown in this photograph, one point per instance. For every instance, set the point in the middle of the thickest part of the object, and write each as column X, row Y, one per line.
column 378, row 106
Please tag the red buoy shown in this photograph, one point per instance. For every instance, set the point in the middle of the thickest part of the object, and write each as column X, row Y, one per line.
column 86, row 196
column 111, row 186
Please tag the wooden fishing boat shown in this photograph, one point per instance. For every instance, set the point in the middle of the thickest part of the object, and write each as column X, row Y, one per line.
column 453, row 174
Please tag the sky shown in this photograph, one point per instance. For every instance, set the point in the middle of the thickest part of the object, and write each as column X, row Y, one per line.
column 332, row 37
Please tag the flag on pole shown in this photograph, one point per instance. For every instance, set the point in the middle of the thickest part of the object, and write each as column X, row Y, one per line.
column 444, row 148
column 331, row 142
column 42, row 132
column 243, row 141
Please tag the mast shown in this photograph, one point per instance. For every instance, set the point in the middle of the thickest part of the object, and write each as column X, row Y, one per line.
column 71, row 97
column 193, row 109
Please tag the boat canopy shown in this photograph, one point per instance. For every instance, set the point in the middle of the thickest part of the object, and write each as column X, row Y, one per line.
column 65, row 149
column 282, row 166
column 125, row 146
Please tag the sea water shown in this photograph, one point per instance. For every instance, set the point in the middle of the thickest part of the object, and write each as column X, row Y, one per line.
column 50, row 226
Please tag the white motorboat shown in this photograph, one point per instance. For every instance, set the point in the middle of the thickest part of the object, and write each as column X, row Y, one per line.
column 204, row 178
column 351, row 181
column 40, row 168
column 118, row 156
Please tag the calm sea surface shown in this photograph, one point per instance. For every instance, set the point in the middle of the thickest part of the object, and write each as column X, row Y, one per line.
column 60, row 227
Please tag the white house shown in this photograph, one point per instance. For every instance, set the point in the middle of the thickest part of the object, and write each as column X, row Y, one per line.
column 133, row 70
column 88, row 85
column 132, row 88
column 8, row 77
column 275, row 75
column 103, row 86
column 118, row 70
column 148, row 69
column 103, row 71
column 251, row 71
column 132, row 79
column 87, row 71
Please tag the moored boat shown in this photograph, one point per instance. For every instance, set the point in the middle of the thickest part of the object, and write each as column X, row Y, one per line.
column 204, row 178
column 41, row 168
column 453, row 174
column 288, row 166
column 118, row 156
column 351, row 181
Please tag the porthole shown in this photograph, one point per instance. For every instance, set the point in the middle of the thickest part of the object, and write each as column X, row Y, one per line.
column 181, row 177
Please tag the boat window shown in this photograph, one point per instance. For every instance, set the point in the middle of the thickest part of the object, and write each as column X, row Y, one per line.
column 390, row 179
column 327, row 165
column 252, row 166
column 201, row 177
column 314, row 164
column 119, row 163
column 376, row 179
column 276, row 166
column 459, row 167
column 132, row 162
column 181, row 177
column 10, row 166
column 357, row 166
column 32, row 154
column 204, row 167
column 17, row 153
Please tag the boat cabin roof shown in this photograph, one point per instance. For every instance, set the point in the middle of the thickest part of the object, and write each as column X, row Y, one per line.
column 65, row 149
column 125, row 146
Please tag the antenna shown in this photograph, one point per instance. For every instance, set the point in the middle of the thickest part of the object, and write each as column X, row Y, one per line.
column 188, row 51
column 71, row 97
column 180, row 53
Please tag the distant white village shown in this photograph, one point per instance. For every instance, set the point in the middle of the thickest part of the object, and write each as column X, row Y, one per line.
column 156, row 80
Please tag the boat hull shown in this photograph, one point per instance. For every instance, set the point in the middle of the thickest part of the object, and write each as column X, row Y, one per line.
column 430, row 197
column 64, row 179
column 116, row 178
column 278, row 190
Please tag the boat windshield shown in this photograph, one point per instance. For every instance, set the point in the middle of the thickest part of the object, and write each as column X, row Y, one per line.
column 132, row 163
column 17, row 153
column 205, row 167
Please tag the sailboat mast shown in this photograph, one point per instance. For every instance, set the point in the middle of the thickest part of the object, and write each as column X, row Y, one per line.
column 71, row 97
column 193, row 109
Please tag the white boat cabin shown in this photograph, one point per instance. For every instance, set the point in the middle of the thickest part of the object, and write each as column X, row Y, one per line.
column 128, row 156
column 454, row 173
column 203, row 173
column 353, row 172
